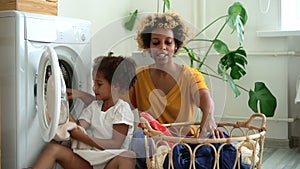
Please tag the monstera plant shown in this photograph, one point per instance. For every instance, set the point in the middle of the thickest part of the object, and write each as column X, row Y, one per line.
column 232, row 63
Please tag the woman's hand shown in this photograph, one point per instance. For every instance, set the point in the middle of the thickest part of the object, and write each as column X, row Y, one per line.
column 210, row 126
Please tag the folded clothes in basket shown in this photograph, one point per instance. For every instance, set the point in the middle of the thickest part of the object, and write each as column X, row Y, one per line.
column 247, row 149
column 181, row 157
column 204, row 156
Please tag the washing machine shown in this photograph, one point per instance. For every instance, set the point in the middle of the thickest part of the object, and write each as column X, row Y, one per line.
column 40, row 57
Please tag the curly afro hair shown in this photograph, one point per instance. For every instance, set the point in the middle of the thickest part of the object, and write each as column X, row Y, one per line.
column 167, row 20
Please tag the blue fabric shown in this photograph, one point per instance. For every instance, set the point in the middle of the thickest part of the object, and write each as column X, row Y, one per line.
column 181, row 157
column 204, row 157
column 227, row 156
column 245, row 166
column 138, row 146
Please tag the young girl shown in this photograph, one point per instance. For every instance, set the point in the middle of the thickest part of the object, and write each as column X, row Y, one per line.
column 108, row 118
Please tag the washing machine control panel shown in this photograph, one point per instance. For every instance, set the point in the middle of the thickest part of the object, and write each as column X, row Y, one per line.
column 58, row 30
column 75, row 32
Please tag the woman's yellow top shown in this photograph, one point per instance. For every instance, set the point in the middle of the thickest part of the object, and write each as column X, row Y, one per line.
column 175, row 106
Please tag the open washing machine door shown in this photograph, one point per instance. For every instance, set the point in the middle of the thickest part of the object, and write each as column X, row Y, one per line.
column 52, row 104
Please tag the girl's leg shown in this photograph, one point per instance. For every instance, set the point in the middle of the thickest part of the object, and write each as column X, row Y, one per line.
column 125, row 160
column 63, row 155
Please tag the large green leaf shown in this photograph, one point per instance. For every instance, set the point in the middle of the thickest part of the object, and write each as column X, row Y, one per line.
column 236, row 10
column 240, row 29
column 236, row 61
column 129, row 24
column 232, row 85
column 220, row 47
column 262, row 100
column 237, row 18
column 228, row 79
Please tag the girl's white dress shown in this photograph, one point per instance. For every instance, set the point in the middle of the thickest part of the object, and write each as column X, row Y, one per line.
column 101, row 126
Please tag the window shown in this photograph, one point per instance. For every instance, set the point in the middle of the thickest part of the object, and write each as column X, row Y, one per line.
column 290, row 14
column 289, row 18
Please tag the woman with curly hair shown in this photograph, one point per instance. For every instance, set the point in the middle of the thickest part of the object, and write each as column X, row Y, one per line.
column 166, row 90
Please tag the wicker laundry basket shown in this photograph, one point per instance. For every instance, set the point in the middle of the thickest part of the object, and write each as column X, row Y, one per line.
column 245, row 137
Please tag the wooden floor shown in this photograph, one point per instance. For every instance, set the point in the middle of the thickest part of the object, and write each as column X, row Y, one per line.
column 276, row 158
column 281, row 158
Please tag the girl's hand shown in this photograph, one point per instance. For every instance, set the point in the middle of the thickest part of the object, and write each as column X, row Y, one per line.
column 73, row 93
column 84, row 96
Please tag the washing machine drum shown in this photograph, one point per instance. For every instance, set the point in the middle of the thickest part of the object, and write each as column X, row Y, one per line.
column 66, row 82
column 52, row 104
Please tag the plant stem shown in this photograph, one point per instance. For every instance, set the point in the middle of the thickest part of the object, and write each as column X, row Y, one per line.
column 157, row 6
column 220, row 78
column 211, row 45
column 203, row 40
column 214, row 21
column 211, row 69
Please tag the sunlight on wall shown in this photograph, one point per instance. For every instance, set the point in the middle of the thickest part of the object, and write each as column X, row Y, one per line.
column 290, row 14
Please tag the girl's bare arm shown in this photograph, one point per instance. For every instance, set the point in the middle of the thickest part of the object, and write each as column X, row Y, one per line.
column 118, row 136
column 87, row 98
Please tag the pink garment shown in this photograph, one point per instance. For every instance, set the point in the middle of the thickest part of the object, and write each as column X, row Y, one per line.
column 157, row 126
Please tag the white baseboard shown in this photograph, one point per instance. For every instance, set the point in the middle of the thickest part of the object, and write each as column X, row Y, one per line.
column 277, row 143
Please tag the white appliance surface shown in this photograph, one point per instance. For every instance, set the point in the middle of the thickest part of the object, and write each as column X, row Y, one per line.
column 23, row 39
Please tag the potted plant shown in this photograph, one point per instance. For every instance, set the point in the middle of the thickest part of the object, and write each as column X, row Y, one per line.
column 232, row 63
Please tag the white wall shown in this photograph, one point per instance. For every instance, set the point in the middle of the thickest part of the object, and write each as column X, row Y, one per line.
column 266, row 63
column 101, row 13
column 108, row 16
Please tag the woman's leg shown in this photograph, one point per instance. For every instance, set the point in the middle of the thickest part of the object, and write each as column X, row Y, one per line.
column 125, row 160
column 63, row 155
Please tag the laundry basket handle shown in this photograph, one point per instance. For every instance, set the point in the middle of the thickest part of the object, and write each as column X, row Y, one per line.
column 248, row 122
column 148, row 130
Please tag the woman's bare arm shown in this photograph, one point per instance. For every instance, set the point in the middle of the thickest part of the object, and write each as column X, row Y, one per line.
column 208, row 123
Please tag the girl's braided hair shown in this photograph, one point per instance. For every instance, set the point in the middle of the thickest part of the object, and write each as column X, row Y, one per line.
column 117, row 70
